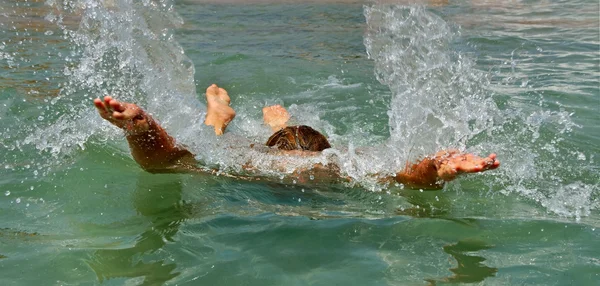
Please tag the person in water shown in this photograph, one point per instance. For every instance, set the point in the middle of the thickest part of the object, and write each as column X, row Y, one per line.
column 157, row 152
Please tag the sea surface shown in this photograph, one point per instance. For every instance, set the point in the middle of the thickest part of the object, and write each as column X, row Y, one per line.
column 388, row 82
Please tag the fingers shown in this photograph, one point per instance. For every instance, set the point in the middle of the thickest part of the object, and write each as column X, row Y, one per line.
column 125, row 111
column 469, row 163
column 104, row 104
column 111, row 108
column 482, row 164
column 103, row 109
column 466, row 163
column 99, row 104
column 116, row 105
column 492, row 162
column 107, row 100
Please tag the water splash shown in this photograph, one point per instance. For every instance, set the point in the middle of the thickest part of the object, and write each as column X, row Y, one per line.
column 125, row 49
column 441, row 100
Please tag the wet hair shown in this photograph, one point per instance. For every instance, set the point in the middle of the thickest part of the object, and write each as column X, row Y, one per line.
column 298, row 138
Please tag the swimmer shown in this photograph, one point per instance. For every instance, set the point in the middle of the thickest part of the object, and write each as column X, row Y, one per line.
column 157, row 152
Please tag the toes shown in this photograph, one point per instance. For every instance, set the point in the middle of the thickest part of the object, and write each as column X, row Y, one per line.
column 224, row 96
column 212, row 89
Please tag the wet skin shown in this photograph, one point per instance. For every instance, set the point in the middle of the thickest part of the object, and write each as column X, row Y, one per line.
column 155, row 151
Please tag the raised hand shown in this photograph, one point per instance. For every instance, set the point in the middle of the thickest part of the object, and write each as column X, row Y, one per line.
column 126, row 116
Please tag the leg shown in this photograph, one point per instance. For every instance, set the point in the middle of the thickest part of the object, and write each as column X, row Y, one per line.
column 219, row 112
column 276, row 117
column 152, row 148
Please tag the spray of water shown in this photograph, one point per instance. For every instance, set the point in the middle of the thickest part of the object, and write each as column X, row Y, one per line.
column 125, row 49
column 440, row 100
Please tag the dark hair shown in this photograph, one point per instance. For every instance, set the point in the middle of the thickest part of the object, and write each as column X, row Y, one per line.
column 298, row 138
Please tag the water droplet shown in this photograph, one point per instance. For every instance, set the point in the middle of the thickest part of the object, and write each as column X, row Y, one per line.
column 18, row 200
column 312, row 177
column 40, row 118
column 7, row 193
column 299, row 199
column 31, row 188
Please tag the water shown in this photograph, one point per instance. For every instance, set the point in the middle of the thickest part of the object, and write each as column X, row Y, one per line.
column 519, row 79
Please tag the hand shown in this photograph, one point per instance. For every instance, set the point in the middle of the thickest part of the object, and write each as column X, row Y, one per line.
column 452, row 163
column 126, row 116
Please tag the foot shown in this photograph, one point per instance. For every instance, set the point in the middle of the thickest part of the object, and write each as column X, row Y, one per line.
column 452, row 163
column 126, row 116
column 219, row 112
column 276, row 117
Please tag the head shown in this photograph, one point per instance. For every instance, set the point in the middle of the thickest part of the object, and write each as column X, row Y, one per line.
column 298, row 138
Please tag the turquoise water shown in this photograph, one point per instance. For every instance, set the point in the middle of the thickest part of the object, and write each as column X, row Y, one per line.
column 520, row 79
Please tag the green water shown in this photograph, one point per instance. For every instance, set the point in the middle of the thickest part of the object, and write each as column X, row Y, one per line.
column 519, row 79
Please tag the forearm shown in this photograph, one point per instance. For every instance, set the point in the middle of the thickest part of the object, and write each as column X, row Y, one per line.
column 422, row 175
column 155, row 151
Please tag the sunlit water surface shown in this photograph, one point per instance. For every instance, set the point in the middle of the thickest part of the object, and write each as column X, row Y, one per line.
column 519, row 78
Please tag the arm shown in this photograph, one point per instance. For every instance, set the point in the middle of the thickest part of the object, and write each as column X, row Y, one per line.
column 152, row 148
column 432, row 172
column 155, row 151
